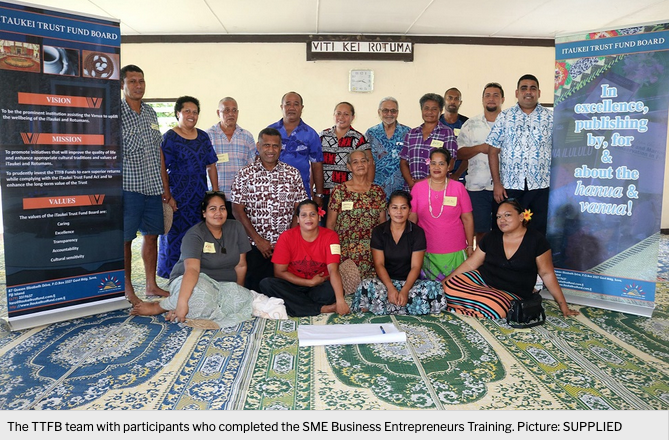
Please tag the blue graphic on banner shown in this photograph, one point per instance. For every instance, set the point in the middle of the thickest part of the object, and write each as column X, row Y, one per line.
column 615, row 286
column 609, row 145
column 51, row 26
column 602, row 47
column 60, row 164
column 64, row 291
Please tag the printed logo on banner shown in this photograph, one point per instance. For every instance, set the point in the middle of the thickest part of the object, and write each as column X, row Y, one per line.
column 633, row 291
column 109, row 282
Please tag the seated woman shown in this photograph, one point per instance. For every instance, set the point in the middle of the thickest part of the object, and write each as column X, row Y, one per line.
column 398, row 246
column 444, row 211
column 306, row 267
column 504, row 267
column 206, row 283
column 356, row 206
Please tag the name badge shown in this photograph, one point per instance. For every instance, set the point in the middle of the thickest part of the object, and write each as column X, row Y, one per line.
column 347, row 206
column 223, row 157
column 436, row 144
column 155, row 127
column 208, row 248
column 449, row 201
column 456, row 131
column 335, row 249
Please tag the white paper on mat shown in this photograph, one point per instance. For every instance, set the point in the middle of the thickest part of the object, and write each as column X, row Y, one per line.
column 343, row 334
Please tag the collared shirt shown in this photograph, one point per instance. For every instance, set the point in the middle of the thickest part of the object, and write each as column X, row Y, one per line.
column 269, row 197
column 386, row 154
column 398, row 256
column 456, row 126
column 525, row 147
column 141, row 139
column 416, row 150
column 231, row 154
column 335, row 154
column 474, row 132
column 300, row 149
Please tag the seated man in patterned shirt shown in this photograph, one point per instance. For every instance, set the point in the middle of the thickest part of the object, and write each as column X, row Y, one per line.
column 264, row 197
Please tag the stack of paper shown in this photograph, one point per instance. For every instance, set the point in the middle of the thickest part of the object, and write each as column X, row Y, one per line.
column 342, row 334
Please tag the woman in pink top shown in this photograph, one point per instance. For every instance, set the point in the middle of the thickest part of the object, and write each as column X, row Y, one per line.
column 443, row 210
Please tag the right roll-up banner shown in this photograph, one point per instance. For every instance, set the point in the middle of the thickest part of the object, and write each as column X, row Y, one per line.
column 608, row 165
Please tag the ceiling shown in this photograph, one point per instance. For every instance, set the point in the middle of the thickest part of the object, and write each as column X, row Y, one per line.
column 542, row 19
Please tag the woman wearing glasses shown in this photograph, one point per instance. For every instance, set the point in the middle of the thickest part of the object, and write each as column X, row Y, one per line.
column 206, row 283
column 386, row 140
column 504, row 267
column 189, row 160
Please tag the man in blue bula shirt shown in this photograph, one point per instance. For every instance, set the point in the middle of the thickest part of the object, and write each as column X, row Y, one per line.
column 301, row 145
column 520, row 157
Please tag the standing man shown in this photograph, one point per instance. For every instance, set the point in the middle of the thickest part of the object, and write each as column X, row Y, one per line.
column 145, row 181
column 452, row 103
column 520, row 157
column 265, row 194
column 301, row 145
column 234, row 146
column 454, row 120
column 473, row 151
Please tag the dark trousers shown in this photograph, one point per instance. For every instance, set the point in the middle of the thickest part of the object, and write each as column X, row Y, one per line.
column 299, row 300
column 258, row 267
column 537, row 200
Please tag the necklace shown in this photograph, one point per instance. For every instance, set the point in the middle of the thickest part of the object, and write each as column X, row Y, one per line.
column 430, row 203
column 220, row 241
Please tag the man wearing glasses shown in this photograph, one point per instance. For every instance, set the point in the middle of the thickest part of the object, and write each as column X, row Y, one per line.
column 234, row 146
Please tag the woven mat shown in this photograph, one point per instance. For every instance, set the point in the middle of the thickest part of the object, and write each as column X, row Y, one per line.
column 599, row 360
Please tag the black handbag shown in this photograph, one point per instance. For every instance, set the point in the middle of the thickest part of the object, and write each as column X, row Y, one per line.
column 525, row 313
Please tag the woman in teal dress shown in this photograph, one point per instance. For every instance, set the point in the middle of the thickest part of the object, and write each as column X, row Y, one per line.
column 386, row 140
column 189, row 160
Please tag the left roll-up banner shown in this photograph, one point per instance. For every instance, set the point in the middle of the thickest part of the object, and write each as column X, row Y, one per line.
column 61, row 164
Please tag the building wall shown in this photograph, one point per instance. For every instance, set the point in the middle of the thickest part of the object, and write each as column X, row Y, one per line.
column 258, row 74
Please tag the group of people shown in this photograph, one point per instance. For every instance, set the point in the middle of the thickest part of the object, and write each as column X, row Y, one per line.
column 433, row 217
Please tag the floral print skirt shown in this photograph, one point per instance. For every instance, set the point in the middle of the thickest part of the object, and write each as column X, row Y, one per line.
column 425, row 297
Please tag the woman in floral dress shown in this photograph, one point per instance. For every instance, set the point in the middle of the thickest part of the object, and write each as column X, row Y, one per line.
column 355, row 208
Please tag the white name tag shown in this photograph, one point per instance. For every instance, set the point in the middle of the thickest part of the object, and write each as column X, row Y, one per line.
column 335, row 249
column 208, row 248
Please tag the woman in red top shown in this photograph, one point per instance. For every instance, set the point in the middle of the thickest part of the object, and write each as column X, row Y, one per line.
column 306, row 267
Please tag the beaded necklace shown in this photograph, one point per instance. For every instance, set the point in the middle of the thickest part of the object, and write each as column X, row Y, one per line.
column 444, row 194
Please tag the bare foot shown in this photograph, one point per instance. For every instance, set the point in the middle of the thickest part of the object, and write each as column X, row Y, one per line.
column 130, row 295
column 330, row 308
column 146, row 309
column 156, row 291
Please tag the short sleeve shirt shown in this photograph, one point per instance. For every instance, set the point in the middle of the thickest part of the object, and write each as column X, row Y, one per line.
column 525, row 147
column 199, row 243
column 300, row 149
column 474, row 132
column 335, row 152
column 231, row 154
column 306, row 259
column 141, row 139
column 398, row 256
column 269, row 197
column 416, row 150
column 518, row 274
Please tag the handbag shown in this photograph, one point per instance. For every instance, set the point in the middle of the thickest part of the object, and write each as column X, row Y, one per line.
column 525, row 313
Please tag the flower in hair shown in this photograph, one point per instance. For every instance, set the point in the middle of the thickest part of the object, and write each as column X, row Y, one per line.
column 427, row 161
column 527, row 215
column 321, row 212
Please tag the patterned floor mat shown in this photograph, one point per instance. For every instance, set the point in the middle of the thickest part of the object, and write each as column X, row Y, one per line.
column 600, row 360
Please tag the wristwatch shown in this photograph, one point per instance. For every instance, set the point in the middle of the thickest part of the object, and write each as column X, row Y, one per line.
column 319, row 195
